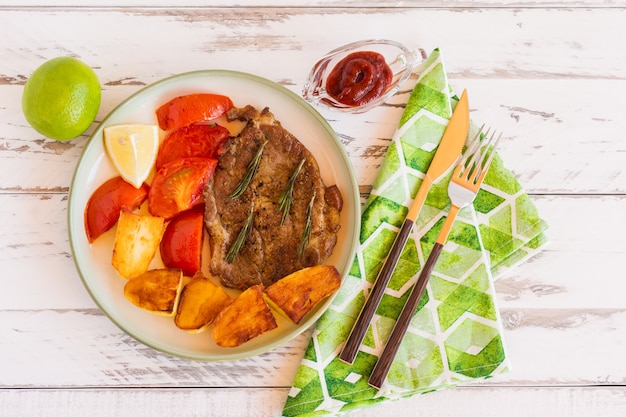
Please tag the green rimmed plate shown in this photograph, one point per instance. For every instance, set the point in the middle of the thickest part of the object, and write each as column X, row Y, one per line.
column 93, row 261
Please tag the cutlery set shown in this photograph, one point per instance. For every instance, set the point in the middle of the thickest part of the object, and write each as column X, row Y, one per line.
column 467, row 178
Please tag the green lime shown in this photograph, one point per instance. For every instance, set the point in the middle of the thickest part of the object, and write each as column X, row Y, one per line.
column 61, row 98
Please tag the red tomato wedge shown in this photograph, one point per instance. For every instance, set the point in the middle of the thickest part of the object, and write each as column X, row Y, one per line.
column 178, row 186
column 192, row 108
column 202, row 141
column 104, row 206
column 181, row 245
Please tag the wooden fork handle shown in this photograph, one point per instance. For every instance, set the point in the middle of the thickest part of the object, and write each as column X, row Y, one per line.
column 361, row 325
column 379, row 373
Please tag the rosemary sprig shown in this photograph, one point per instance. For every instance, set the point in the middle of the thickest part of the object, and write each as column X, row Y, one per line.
column 306, row 233
column 285, row 198
column 253, row 165
column 241, row 237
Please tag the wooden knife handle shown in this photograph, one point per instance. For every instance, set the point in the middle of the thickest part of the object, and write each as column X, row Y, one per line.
column 361, row 325
column 379, row 373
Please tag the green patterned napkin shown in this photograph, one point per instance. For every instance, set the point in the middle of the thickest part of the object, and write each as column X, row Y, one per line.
column 455, row 335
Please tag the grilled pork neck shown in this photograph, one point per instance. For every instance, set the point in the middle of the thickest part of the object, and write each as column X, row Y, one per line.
column 272, row 248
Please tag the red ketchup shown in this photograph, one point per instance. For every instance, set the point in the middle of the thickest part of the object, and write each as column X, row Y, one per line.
column 359, row 78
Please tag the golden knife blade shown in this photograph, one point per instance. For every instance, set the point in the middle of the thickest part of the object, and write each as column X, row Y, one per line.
column 447, row 153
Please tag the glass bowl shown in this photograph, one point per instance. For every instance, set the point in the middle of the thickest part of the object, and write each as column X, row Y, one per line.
column 400, row 59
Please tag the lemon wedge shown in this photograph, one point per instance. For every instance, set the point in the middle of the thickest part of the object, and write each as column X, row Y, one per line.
column 133, row 150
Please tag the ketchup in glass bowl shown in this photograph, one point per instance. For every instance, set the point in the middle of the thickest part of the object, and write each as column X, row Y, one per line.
column 361, row 75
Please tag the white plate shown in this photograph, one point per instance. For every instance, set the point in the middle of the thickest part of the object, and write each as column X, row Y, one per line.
column 93, row 261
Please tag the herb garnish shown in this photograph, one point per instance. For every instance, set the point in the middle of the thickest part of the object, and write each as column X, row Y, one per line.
column 306, row 233
column 242, row 237
column 253, row 165
column 285, row 198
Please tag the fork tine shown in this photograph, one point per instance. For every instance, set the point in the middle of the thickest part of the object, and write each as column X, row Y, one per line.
column 478, row 164
column 464, row 167
column 476, row 147
column 483, row 163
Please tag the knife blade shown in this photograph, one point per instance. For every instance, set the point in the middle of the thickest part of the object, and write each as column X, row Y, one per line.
column 447, row 153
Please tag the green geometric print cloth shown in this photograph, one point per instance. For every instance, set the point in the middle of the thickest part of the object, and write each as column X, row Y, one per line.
column 455, row 335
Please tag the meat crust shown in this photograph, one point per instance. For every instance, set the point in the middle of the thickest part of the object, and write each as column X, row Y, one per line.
column 271, row 250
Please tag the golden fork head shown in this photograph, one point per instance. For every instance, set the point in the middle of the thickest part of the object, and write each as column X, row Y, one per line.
column 471, row 170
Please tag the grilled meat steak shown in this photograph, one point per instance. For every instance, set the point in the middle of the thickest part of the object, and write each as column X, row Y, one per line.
column 271, row 250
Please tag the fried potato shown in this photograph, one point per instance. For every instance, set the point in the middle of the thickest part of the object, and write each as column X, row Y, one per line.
column 156, row 290
column 200, row 302
column 296, row 294
column 247, row 317
column 136, row 241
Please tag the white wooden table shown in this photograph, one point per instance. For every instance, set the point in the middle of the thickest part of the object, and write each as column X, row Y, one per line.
column 550, row 74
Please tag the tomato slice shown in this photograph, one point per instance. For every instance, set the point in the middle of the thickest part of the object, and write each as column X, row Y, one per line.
column 178, row 185
column 104, row 205
column 202, row 141
column 192, row 108
column 181, row 244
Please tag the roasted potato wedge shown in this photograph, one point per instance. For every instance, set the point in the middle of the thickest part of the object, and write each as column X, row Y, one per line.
column 156, row 290
column 247, row 317
column 296, row 294
column 136, row 241
column 200, row 302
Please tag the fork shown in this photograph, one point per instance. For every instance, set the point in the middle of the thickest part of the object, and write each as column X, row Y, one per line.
column 466, row 180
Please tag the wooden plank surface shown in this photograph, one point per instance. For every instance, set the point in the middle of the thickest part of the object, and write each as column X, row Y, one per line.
column 466, row 401
column 547, row 309
column 319, row 3
column 550, row 75
column 532, row 88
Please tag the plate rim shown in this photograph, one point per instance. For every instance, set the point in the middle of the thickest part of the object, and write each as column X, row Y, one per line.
column 355, row 215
